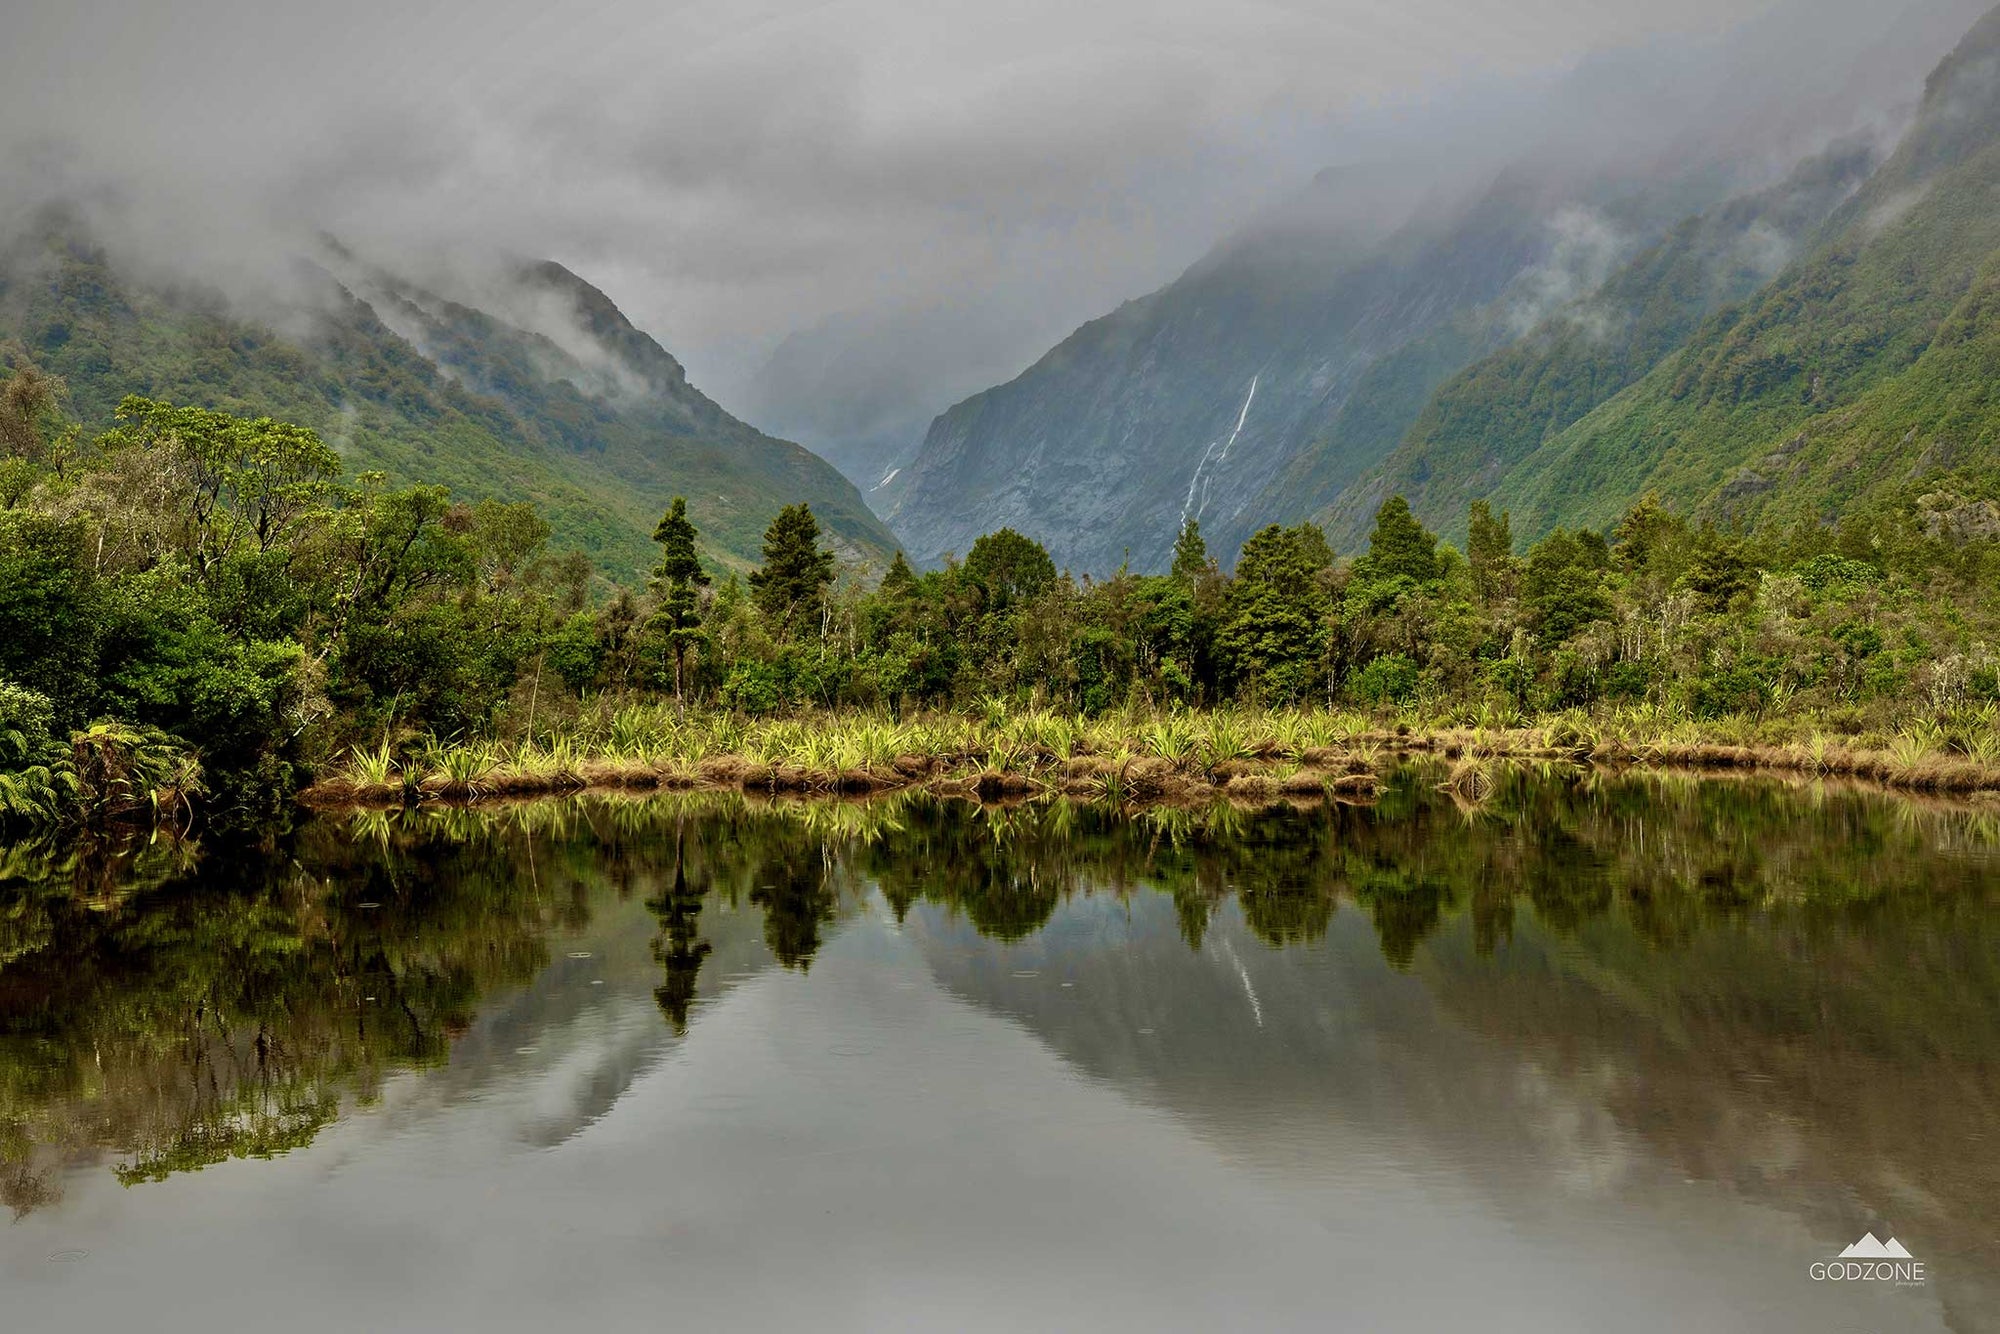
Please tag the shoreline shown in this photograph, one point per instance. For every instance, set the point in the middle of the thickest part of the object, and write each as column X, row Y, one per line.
column 1349, row 773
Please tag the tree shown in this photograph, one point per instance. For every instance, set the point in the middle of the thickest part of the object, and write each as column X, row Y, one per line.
column 1490, row 551
column 1563, row 585
column 1399, row 546
column 239, row 478
column 1008, row 568
column 1287, row 560
column 900, row 582
column 28, row 412
column 1645, row 533
column 1720, row 572
column 791, row 587
column 676, row 580
column 1275, row 633
column 1190, row 555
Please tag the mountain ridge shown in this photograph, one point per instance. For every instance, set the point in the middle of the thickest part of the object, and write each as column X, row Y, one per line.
column 429, row 389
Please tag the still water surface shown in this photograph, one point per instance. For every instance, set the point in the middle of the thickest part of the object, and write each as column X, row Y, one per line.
column 1606, row 1052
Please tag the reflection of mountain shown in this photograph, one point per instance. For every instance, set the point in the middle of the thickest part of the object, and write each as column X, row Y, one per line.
column 1725, row 1006
column 1596, row 988
column 1842, row 1066
column 182, row 1009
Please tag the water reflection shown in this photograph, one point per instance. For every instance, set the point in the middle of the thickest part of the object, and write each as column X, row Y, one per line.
column 1792, row 993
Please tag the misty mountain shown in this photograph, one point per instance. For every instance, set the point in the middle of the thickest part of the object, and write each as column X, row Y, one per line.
column 1486, row 418
column 1863, row 373
column 1199, row 400
column 560, row 401
column 1343, row 348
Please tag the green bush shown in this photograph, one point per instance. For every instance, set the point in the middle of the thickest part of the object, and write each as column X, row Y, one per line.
column 27, row 725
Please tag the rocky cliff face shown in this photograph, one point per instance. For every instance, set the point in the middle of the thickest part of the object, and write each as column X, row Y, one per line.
column 1190, row 402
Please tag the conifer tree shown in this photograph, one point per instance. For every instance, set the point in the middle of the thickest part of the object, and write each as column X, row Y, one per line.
column 1190, row 555
column 1490, row 551
column 676, row 580
column 900, row 581
column 791, row 587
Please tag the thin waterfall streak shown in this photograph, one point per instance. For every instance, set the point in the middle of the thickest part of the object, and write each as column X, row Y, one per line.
column 1194, row 482
column 1201, row 481
column 1241, row 417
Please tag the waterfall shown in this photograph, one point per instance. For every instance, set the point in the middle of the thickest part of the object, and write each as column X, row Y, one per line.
column 1201, row 476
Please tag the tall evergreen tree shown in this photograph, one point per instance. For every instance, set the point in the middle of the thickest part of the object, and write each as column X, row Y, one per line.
column 1190, row 555
column 791, row 587
column 900, row 581
column 676, row 579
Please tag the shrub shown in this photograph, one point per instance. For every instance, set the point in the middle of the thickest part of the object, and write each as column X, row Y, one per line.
column 27, row 725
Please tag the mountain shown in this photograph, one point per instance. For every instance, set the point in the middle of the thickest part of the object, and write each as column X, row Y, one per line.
column 1485, row 419
column 1865, row 372
column 1343, row 349
column 1192, row 401
column 565, row 404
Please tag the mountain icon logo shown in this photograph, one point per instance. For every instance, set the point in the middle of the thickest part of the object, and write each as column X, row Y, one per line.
column 1871, row 1259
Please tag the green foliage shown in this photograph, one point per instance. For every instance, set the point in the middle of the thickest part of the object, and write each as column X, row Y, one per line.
column 1274, row 635
column 1390, row 679
column 1862, row 368
column 677, row 580
column 790, row 587
column 1490, row 551
column 1562, row 585
column 49, row 608
column 1400, row 547
column 1190, row 555
column 485, row 409
column 1008, row 568
column 199, row 608
column 1496, row 414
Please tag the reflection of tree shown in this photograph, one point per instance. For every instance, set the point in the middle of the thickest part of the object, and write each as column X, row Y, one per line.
column 679, row 947
column 185, row 1005
column 797, row 897
column 1405, row 908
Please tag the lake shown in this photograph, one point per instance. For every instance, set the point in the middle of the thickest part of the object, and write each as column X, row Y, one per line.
column 1632, row 1051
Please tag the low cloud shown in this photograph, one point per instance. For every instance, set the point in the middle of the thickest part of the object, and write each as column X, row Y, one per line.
column 958, row 183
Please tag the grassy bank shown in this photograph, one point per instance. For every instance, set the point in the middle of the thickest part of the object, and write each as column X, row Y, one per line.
column 1135, row 755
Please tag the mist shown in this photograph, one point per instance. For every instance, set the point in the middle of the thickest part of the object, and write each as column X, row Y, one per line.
column 842, row 218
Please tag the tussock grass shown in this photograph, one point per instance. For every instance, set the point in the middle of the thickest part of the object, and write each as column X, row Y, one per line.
column 998, row 752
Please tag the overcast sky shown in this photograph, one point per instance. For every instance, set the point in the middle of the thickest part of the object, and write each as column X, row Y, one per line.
column 989, row 174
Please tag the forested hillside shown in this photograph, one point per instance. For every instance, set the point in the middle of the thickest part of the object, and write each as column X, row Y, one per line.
column 597, row 430
column 1486, row 419
column 1863, row 372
